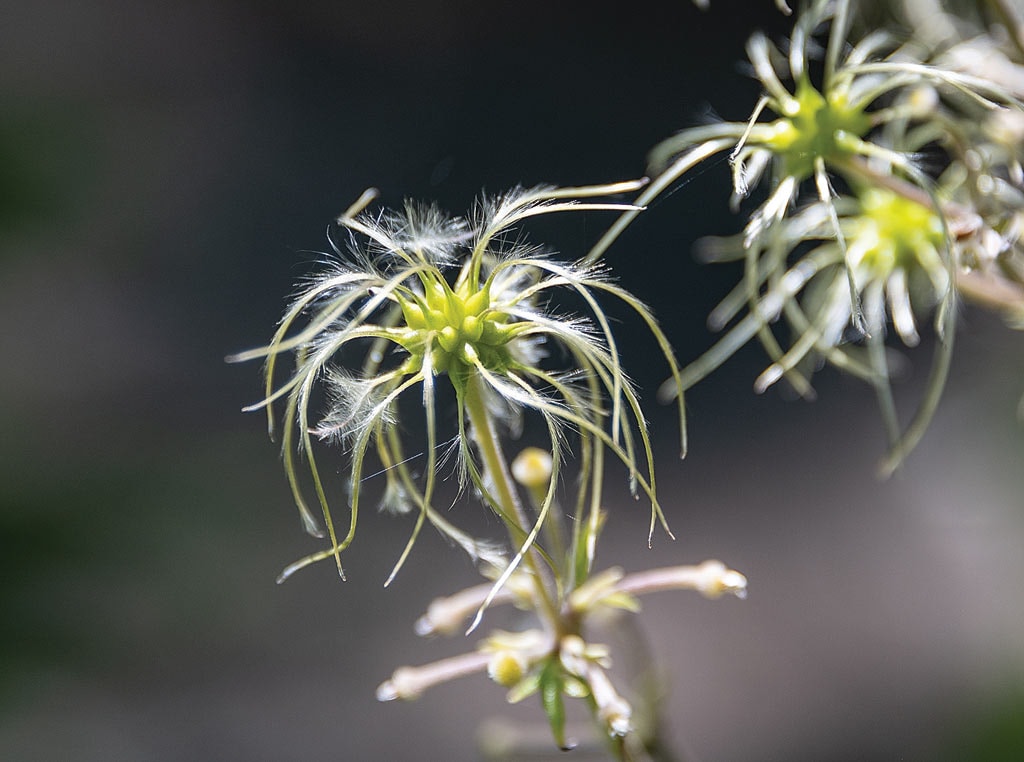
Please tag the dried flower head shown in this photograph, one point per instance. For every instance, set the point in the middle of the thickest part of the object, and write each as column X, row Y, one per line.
column 923, row 154
column 865, row 91
column 895, row 249
column 419, row 298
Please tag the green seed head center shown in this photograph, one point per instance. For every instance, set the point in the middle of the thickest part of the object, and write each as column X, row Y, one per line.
column 895, row 231
column 814, row 126
column 459, row 326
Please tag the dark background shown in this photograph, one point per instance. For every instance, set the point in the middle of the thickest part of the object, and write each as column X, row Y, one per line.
column 167, row 170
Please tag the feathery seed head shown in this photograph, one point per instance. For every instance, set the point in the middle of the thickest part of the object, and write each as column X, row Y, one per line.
column 893, row 232
column 426, row 297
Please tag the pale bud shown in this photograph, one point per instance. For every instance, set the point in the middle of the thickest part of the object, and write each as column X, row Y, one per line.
column 714, row 580
column 532, row 468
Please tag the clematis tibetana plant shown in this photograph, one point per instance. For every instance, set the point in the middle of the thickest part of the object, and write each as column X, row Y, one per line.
column 889, row 183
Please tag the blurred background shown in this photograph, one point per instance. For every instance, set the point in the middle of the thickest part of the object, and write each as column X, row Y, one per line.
column 168, row 172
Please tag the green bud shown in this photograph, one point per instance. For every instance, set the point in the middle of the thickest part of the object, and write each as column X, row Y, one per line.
column 472, row 327
column 448, row 338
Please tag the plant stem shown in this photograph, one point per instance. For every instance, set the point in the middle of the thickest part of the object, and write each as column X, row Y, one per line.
column 503, row 490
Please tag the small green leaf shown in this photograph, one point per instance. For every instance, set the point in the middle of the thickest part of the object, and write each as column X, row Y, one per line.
column 551, row 698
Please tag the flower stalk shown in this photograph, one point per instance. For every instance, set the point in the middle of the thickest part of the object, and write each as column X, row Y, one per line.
column 497, row 476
